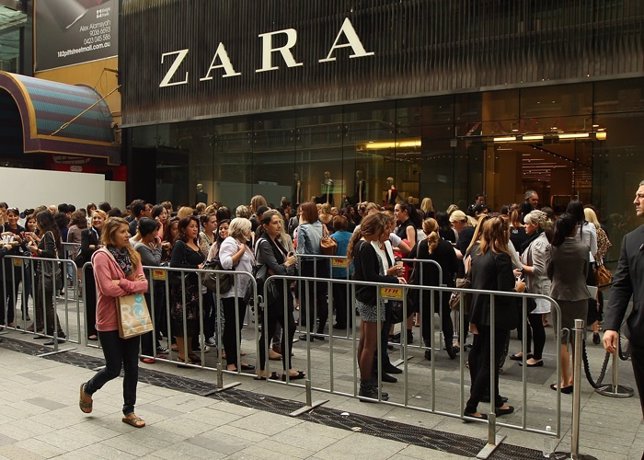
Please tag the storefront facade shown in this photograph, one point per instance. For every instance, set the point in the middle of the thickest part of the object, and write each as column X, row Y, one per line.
column 449, row 99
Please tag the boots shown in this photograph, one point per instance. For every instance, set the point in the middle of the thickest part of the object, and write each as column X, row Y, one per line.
column 369, row 389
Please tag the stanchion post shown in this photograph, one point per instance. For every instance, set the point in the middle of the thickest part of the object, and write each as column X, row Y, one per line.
column 614, row 389
column 576, row 390
column 579, row 331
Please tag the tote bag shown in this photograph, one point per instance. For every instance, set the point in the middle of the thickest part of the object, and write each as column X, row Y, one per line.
column 133, row 315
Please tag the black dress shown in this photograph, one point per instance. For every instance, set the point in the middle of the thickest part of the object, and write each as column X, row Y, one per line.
column 445, row 256
column 89, row 237
column 184, row 257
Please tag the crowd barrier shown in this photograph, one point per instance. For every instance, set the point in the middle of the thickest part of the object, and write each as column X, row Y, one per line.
column 33, row 275
column 164, row 282
column 342, row 262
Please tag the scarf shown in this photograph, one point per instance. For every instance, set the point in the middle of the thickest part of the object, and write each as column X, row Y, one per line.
column 529, row 240
column 122, row 257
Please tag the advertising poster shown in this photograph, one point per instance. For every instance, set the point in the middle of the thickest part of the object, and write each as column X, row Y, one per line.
column 74, row 31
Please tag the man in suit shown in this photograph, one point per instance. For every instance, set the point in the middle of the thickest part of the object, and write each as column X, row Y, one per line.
column 629, row 281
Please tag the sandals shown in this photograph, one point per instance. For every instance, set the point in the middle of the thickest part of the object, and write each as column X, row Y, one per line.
column 133, row 420
column 85, row 405
column 298, row 376
column 262, row 376
column 469, row 416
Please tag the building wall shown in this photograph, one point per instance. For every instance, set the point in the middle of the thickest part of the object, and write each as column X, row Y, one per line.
column 398, row 49
column 54, row 187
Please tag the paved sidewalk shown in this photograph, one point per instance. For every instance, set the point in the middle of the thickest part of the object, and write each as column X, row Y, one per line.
column 610, row 428
column 40, row 418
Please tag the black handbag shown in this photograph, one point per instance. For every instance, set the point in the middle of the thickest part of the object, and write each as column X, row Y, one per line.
column 52, row 271
column 226, row 281
column 50, row 274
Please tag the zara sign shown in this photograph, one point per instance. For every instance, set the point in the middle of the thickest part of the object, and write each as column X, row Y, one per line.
column 222, row 66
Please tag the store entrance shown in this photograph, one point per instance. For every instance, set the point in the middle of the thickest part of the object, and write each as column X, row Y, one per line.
column 557, row 169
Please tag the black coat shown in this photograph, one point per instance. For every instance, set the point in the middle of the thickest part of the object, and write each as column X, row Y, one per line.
column 367, row 268
column 89, row 237
column 628, row 281
column 493, row 272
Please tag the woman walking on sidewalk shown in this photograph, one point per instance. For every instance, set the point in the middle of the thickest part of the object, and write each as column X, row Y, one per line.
column 118, row 272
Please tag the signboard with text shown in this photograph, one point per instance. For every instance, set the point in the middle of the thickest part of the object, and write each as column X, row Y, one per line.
column 71, row 32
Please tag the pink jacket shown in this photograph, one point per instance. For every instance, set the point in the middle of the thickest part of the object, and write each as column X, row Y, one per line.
column 106, row 270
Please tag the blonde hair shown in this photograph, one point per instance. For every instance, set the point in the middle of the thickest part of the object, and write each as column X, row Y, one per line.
column 101, row 213
column 427, row 205
column 108, row 237
column 591, row 217
column 185, row 211
column 430, row 227
column 242, row 211
column 538, row 218
column 238, row 226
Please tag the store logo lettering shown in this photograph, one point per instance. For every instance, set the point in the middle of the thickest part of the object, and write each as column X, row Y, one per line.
column 221, row 59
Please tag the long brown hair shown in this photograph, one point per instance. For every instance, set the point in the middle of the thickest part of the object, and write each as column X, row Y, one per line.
column 371, row 226
column 478, row 231
column 108, row 237
column 495, row 236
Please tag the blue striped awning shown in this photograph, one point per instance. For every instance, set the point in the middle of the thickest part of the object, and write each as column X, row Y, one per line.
column 61, row 118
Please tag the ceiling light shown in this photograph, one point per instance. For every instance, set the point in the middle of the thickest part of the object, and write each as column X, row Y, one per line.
column 505, row 139
column 406, row 143
column 574, row 136
column 533, row 137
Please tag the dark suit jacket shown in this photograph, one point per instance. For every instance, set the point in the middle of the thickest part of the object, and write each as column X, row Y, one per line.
column 568, row 270
column 628, row 281
column 493, row 272
column 88, row 238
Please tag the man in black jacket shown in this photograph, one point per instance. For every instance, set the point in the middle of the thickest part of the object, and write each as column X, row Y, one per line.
column 629, row 281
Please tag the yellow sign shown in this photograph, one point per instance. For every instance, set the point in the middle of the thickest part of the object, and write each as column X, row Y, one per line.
column 17, row 262
column 339, row 263
column 391, row 293
column 159, row 275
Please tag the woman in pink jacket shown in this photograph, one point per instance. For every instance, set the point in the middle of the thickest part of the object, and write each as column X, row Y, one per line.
column 118, row 272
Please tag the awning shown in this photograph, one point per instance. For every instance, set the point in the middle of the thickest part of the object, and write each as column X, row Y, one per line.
column 62, row 119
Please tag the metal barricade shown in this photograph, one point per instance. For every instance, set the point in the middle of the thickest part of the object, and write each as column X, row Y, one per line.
column 168, row 289
column 39, row 273
column 168, row 283
column 407, row 401
column 341, row 262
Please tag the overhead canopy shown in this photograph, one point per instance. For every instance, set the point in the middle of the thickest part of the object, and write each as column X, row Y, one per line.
column 60, row 118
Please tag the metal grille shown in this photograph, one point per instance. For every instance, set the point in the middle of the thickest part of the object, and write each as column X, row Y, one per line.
column 422, row 47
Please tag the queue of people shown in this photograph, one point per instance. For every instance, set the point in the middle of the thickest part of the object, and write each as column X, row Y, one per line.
column 520, row 248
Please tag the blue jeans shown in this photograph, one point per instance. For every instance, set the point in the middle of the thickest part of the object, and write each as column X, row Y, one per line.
column 118, row 352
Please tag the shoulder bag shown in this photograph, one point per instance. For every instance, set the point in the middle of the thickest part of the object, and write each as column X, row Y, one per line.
column 226, row 281
column 133, row 315
column 604, row 276
column 328, row 246
column 52, row 273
